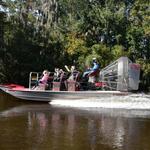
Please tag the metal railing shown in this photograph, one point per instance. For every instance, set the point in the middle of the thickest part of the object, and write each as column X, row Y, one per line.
column 33, row 78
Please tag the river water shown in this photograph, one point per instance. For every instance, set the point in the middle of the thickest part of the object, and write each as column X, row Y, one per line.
column 75, row 125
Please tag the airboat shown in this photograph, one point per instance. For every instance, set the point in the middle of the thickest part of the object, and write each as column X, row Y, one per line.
column 120, row 78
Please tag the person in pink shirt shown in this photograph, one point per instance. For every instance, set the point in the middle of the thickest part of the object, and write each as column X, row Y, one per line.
column 45, row 77
column 42, row 83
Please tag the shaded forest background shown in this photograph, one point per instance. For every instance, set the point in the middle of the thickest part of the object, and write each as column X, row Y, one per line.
column 43, row 34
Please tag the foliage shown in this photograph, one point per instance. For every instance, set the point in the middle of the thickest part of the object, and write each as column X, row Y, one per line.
column 40, row 34
column 118, row 51
column 145, row 75
column 75, row 44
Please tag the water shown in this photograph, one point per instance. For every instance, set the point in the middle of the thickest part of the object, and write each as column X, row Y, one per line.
column 75, row 126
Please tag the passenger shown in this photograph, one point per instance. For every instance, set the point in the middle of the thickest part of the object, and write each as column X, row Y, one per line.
column 93, row 69
column 73, row 73
column 67, row 68
column 56, row 71
column 72, row 69
column 42, row 84
column 45, row 77
column 58, row 74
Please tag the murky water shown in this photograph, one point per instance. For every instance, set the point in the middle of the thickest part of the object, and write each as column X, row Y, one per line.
column 40, row 126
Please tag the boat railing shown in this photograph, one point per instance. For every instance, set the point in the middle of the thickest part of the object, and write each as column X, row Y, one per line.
column 33, row 78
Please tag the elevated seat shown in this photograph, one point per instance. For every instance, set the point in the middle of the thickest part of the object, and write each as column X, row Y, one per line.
column 73, row 86
column 72, row 82
column 60, row 84
column 56, row 86
column 94, row 73
column 93, row 76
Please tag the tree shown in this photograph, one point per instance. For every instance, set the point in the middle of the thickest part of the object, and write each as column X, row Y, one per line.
column 34, row 34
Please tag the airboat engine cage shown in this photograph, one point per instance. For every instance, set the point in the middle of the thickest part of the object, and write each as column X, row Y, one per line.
column 121, row 75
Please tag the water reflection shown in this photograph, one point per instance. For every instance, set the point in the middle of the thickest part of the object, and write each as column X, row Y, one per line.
column 92, row 133
column 42, row 126
column 113, row 132
column 56, row 128
column 70, row 129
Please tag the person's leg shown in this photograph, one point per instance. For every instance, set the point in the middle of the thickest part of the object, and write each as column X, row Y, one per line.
column 86, row 73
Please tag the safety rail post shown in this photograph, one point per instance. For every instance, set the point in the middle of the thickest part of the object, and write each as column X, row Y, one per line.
column 31, row 79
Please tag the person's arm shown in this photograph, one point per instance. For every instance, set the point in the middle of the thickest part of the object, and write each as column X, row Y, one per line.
column 67, row 68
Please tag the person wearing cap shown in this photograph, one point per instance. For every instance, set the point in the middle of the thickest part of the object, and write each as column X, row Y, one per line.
column 93, row 69
column 95, row 65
